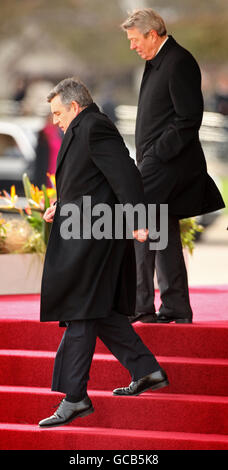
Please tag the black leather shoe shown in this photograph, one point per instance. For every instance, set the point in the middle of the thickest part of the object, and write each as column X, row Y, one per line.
column 153, row 381
column 161, row 318
column 144, row 318
column 68, row 411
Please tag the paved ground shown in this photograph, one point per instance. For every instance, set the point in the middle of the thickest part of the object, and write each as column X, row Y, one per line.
column 209, row 263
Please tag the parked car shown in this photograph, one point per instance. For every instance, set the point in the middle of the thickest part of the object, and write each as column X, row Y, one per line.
column 17, row 150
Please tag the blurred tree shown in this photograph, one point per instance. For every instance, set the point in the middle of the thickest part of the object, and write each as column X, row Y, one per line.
column 90, row 30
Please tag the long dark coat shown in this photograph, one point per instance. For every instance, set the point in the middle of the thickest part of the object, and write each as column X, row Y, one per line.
column 169, row 153
column 86, row 278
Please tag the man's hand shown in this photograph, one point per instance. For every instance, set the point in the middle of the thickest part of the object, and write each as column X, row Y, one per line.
column 141, row 235
column 49, row 213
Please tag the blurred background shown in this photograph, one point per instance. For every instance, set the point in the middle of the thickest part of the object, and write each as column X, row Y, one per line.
column 44, row 41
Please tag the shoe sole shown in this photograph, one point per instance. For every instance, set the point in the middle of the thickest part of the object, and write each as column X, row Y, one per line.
column 80, row 415
column 178, row 321
column 165, row 383
column 144, row 320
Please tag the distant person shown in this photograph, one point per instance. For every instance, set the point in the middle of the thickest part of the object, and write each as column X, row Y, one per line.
column 108, row 107
column 107, row 102
column 48, row 145
column 221, row 97
column 20, row 90
column 171, row 161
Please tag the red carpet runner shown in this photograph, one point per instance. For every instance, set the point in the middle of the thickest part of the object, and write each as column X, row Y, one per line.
column 192, row 413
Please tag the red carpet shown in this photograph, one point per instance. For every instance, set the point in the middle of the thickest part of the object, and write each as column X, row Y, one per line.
column 192, row 413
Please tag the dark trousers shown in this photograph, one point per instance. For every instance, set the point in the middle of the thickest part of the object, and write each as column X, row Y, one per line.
column 171, row 275
column 75, row 352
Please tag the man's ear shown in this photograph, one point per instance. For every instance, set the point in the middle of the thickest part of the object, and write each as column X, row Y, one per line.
column 153, row 34
column 76, row 107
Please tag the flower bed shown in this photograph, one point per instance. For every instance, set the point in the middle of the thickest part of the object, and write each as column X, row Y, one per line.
column 23, row 239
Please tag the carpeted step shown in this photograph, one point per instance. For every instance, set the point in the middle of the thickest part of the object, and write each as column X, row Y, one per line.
column 24, row 437
column 150, row 412
column 206, row 340
column 186, row 375
column 191, row 413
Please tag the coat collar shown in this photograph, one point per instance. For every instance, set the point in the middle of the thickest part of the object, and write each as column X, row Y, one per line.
column 92, row 108
column 157, row 60
column 69, row 133
column 64, row 146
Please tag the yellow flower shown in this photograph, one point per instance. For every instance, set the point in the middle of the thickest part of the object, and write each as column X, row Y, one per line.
column 11, row 198
column 36, row 194
column 52, row 179
column 51, row 192
column 13, row 193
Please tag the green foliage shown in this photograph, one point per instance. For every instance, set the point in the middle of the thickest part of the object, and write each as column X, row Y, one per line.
column 35, row 222
column 35, row 244
column 225, row 192
column 46, row 227
column 188, row 229
column 2, row 233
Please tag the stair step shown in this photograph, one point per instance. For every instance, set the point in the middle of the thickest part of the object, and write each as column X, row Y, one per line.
column 206, row 340
column 150, row 412
column 27, row 436
column 190, row 414
column 186, row 375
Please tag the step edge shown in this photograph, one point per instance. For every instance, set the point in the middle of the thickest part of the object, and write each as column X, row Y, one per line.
column 110, row 357
column 117, row 432
column 14, row 389
column 219, row 324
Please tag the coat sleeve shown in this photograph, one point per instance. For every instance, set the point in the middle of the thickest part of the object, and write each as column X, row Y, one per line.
column 109, row 153
column 186, row 95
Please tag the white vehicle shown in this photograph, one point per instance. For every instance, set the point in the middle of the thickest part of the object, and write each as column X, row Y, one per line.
column 17, row 150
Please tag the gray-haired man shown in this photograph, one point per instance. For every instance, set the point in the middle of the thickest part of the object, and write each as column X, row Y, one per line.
column 170, row 159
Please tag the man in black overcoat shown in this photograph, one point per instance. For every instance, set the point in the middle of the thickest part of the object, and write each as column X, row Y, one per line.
column 171, row 161
column 89, row 283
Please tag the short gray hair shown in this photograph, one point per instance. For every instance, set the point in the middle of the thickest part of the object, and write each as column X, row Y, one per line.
column 71, row 89
column 145, row 20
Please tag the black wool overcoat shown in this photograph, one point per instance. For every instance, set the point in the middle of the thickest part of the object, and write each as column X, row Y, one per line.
column 86, row 278
column 169, row 153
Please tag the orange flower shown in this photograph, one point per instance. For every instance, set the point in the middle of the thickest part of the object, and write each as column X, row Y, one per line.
column 28, row 211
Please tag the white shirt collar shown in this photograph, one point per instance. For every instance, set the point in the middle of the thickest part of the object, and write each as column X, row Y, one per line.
column 162, row 44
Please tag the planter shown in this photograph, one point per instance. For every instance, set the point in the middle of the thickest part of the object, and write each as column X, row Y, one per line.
column 20, row 273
